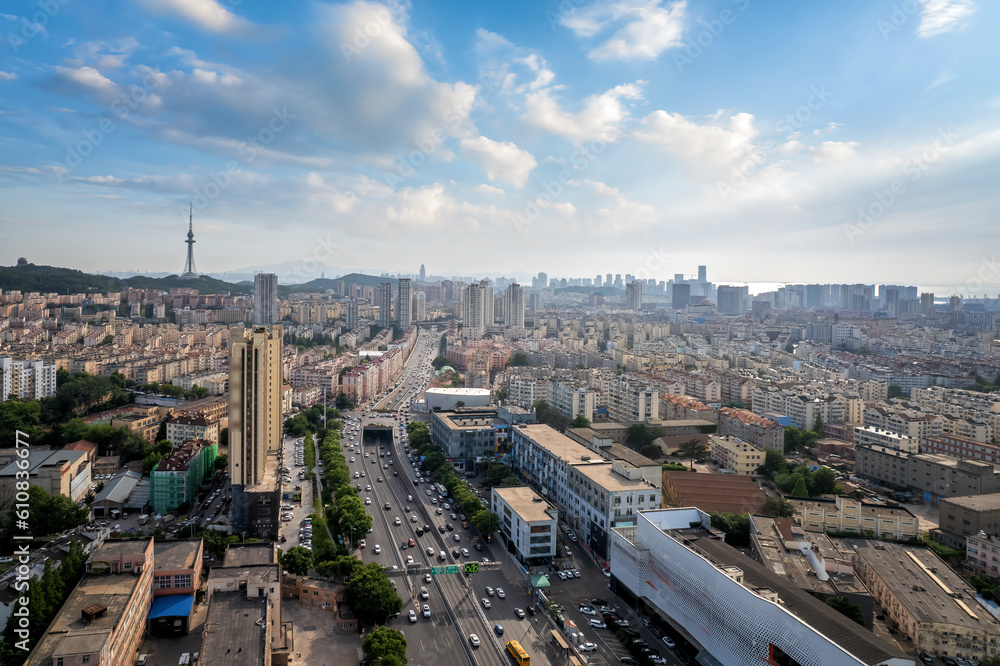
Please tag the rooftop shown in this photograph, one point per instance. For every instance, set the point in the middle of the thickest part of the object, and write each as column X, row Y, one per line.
column 728, row 493
column 924, row 584
column 177, row 554
column 246, row 554
column 619, row 452
column 528, row 504
column 557, row 443
column 233, row 635
column 112, row 548
column 604, row 477
column 989, row 502
column 458, row 391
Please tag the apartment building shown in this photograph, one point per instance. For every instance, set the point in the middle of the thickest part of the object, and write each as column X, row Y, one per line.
column 735, row 456
column 572, row 399
column 144, row 421
column 528, row 522
column 846, row 514
column 934, row 475
column 926, row 600
column 104, row 617
column 872, row 436
column 630, row 401
column 959, row 447
column 524, row 391
column 467, row 434
column 961, row 517
column 802, row 408
column 28, row 380
column 903, row 421
column 174, row 481
column 749, row 427
column 982, row 554
column 728, row 605
column 192, row 426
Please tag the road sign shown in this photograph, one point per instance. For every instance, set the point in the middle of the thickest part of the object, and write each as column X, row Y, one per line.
column 452, row 568
column 472, row 567
column 437, row 570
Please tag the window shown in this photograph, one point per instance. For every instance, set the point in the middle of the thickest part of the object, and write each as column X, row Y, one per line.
column 182, row 580
column 128, row 566
column 86, row 658
column 161, row 582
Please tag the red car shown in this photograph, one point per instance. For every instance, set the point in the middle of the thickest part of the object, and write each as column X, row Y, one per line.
column 411, row 543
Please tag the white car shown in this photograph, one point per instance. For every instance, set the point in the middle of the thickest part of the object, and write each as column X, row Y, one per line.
column 377, row 549
column 427, row 610
column 596, row 624
column 588, row 647
column 424, row 594
column 413, row 616
column 501, row 593
column 486, row 603
column 362, row 544
column 473, row 640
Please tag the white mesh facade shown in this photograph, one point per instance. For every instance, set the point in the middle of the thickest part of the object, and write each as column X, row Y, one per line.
column 735, row 625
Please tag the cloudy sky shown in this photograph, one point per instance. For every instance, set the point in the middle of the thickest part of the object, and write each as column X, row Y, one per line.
column 772, row 141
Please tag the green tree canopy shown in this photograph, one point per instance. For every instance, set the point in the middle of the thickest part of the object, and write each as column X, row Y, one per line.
column 651, row 451
column 439, row 361
column 774, row 464
column 777, row 507
column 24, row 416
column 371, row 595
column 385, row 647
column 297, row 560
column 580, row 421
column 800, row 489
column 486, row 522
column 518, row 359
column 735, row 525
column 692, row 450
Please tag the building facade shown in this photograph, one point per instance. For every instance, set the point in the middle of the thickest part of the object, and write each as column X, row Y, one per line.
column 528, row 522
column 265, row 299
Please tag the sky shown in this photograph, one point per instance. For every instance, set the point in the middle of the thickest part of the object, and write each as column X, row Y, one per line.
column 854, row 141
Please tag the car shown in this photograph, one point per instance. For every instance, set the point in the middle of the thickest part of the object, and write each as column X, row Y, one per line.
column 368, row 488
column 501, row 593
column 465, row 552
column 368, row 501
column 607, row 573
column 380, row 479
column 411, row 543
column 441, row 529
column 587, row 610
column 409, row 560
column 430, row 551
column 424, row 594
column 427, row 610
column 397, row 521
column 477, row 546
column 413, row 518
column 489, row 591
column 428, row 493
column 362, row 544
column 413, row 616
column 458, row 537
column 519, row 613
column 669, row 642
column 438, row 511
column 587, row 647
column 141, row 661
column 596, row 624
column 450, row 527
column 387, row 506
column 531, row 610
column 427, row 577
column 657, row 659
column 498, row 629
column 473, row 640
column 377, row 549
column 454, row 516
column 561, row 574
column 420, row 531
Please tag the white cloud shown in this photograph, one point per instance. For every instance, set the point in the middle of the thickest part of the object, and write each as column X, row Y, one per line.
column 710, row 145
column 7, row 76
column 207, row 14
column 87, row 77
column 488, row 189
column 501, row 160
column 940, row 16
column 645, row 28
column 834, row 151
column 600, row 116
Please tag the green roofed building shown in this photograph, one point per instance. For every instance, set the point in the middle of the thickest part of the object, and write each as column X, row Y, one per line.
column 176, row 479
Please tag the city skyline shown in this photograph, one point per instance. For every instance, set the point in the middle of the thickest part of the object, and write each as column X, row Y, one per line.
column 652, row 135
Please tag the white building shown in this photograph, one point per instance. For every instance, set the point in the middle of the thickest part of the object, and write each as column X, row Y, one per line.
column 730, row 606
column 870, row 435
column 572, row 399
column 28, row 380
column 523, row 391
column 513, row 306
column 528, row 522
column 447, row 399
column 630, row 401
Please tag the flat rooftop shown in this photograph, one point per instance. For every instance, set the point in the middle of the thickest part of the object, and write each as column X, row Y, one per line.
column 620, row 452
column 69, row 633
column 269, row 479
column 557, row 443
column 924, row 584
column 459, row 392
column 232, row 634
column 176, row 555
column 603, row 476
column 466, row 421
column 877, row 509
column 989, row 502
column 247, row 554
column 116, row 548
column 526, row 503
column 728, row 493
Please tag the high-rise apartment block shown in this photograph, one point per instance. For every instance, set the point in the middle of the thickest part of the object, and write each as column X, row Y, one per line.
column 732, row 300
column 28, row 380
column 265, row 299
column 419, row 306
column 404, row 304
column 513, row 306
column 383, row 299
column 351, row 314
column 680, row 296
column 633, row 296
column 255, row 428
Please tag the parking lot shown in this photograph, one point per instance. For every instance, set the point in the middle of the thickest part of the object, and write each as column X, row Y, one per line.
column 294, row 513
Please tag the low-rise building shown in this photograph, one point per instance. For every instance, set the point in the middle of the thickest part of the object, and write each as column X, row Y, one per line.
column 192, row 426
column 926, row 600
column 961, row 517
column 712, row 493
column 467, row 434
column 528, row 522
column 982, row 554
column 935, row 476
column 736, row 456
column 63, row 472
column 175, row 480
column 872, row 436
column 848, row 515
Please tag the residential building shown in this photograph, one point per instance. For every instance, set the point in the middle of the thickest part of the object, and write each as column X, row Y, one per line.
column 175, row 480
column 28, row 380
column 982, row 554
column 404, row 304
column 104, row 618
column 959, row 447
column 934, row 475
column 265, row 299
column 732, row 300
column 633, row 296
column 735, row 456
column 513, row 306
column 759, row 431
column 255, row 428
column 383, row 299
column 572, row 399
column 631, row 401
column 926, row 600
column 524, row 391
column 846, row 514
column 528, row 522
column 467, row 434
column 961, row 517
column 872, row 436
column 728, row 605
column 351, row 314
column 192, row 426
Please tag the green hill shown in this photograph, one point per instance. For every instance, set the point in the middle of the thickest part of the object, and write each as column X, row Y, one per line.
column 47, row 279
column 320, row 285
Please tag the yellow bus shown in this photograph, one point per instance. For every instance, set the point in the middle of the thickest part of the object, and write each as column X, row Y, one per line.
column 516, row 651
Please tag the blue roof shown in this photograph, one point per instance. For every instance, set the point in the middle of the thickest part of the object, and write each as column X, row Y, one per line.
column 173, row 605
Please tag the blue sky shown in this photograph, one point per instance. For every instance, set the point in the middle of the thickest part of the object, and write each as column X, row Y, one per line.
column 849, row 141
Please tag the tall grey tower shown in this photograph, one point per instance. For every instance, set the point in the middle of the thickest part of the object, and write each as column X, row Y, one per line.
column 189, row 271
column 513, row 306
column 633, row 296
column 423, row 273
column 383, row 299
column 404, row 304
column 265, row 299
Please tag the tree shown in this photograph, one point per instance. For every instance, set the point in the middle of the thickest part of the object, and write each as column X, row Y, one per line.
column 774, row 464
column 777, row 507
column 459, row 404
column 735, row 525
column 222, row 462
column 637, row 436
column 800, row 489
column 519, row 359
column 895, row 391
column 486, row 522
column 824, row 482
column 848, row 609
column 439, row 361
column 651, row 451
column 549, row 416
column 989, row 661
column 52, row 514
column 16, row 415
column 371, row 595
column 297, row 560
column 500, row 394
column 580, row 421
column 692, row 450
column 818, row 426
column 384, row 646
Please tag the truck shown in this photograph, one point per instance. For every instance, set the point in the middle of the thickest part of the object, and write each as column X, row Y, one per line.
column 143, row 519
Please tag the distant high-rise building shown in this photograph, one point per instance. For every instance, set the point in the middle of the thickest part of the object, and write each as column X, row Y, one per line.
column 190, row 273
column 423, row 273
column 680, row 296
column 633, row 296
column 731, row 300
column 513, row 306
column 608, row 280
column 703, row 274
column 404, row 304
column 352, row 314
column 597, row 280
column 383, row 299
column 927, row 303
column 477, row 307
column 265, row 299
column 27, row 380
column 419, row 306
column 255, row 427
column 955, row 303
column 543, row 280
